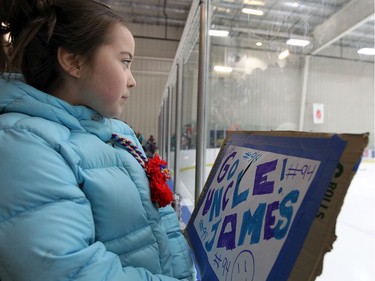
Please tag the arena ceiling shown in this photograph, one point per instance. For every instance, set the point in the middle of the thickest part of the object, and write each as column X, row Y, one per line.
column 348, row 24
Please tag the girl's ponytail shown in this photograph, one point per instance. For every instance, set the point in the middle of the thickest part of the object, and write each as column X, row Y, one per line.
column 30, row 25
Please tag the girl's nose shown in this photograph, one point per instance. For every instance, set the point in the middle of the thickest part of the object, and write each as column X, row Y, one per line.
column 131, row 81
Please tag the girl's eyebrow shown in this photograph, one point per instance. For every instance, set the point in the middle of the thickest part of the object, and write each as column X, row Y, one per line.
column 126, row 53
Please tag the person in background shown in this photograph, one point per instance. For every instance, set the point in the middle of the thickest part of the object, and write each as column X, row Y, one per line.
column 76, row 194
column 140, row 138
column 150, row 147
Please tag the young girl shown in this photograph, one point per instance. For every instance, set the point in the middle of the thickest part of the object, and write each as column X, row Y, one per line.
column 75, row 198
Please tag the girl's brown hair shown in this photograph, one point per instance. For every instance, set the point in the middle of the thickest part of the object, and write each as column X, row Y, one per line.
column 37, row 28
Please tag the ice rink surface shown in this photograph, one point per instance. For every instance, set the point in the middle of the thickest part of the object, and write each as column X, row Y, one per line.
column 353, row 255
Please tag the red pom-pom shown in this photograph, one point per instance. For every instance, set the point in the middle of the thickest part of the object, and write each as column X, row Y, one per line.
column 158, row 174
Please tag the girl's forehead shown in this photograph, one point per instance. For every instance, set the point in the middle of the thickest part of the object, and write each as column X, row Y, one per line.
column 120, row 37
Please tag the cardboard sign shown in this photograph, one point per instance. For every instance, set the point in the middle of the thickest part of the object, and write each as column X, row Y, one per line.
column 260, row 200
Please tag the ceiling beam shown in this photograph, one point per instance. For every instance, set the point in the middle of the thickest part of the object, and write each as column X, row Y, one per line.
column 351, row 16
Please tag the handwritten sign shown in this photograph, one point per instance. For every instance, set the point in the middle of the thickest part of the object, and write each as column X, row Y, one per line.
column 258, row 204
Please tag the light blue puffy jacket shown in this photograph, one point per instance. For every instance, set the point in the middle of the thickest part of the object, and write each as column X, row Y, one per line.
column 72, row 206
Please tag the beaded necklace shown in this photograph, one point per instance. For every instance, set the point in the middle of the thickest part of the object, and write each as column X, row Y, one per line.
column 156, row 171
column 132, row 149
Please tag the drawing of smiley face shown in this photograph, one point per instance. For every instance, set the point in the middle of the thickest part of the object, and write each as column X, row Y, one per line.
column 243, row 267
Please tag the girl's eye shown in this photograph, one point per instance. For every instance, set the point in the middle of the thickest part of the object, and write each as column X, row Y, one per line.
column 127, row 63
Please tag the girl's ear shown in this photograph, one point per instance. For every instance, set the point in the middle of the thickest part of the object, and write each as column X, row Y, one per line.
column 69, row 62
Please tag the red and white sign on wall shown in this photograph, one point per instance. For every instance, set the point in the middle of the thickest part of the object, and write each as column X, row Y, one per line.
column 318, row 112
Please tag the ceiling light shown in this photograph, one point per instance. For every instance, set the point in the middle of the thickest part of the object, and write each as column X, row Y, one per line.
column 252, row 12
column 367, row 51
column 225, row 69
column 259, row 44
column 218, row 33
column 298, row 42
column 222, row 10
column 292, row 4
column 283, row 54
column 254, row 2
